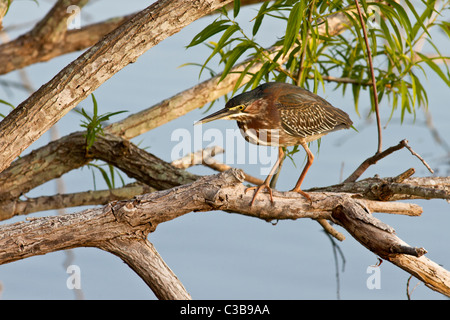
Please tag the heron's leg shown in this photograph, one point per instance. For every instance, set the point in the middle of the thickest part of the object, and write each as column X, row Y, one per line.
column 305, row 170
column 266, row 183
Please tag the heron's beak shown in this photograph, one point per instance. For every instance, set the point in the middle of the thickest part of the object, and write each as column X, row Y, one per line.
column 225, row 113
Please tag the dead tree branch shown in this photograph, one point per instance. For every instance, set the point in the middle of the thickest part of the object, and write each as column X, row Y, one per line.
column 15, row 207
column 141, row 256
column 68, row 153
column 390, row 189
column 378, row 156
column 135, row 218
column 29, row 49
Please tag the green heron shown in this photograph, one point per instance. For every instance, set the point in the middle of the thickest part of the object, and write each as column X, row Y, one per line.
column 282, row 115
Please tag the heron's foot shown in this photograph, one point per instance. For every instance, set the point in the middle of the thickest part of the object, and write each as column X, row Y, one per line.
column 303, row 193
column 258, row 188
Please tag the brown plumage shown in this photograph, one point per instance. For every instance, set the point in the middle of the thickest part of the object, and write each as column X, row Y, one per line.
column 281, row 114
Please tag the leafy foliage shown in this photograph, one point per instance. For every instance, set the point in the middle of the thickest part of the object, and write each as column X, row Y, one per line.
column 308, row 57
column 109, row 175
column 94, row 124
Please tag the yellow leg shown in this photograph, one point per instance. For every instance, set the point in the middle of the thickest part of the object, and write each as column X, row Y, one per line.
column 266, row 183
column 305, row 170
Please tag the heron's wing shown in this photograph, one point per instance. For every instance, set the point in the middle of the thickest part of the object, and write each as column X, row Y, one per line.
column 305, row 114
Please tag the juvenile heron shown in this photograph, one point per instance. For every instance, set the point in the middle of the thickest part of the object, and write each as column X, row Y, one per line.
column 282, row 115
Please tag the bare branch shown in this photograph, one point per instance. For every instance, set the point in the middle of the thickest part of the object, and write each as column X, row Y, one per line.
column 418, row 156
column 141, row 256
column 92, row 228
column 378, row 156
column 14, row 207
column 52, row 28
column 135, row 218
column 197, row 157
column 68, row 153
column 390, row 189
column 205, row 157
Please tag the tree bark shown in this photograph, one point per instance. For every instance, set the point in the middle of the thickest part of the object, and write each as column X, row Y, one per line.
column 26, row 123
column 69, row 152
column 29, row 49
column 141, row 256
column 124, row 225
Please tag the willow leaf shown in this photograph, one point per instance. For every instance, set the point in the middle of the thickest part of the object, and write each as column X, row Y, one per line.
column 293, row 25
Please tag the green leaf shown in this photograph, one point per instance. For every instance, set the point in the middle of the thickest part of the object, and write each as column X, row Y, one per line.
column 222, row 42
column 236, row 8
column 262, row 72
column 242, row 75
column 111, row 172
column 234, row 56
column 208, row 32
column 105, row 177
column 94, row 124
column 434, row 67
column 106, row 116
column 259, row 18
column 419, row 19
column 7, row 103
column 293, row 25
column 95, row 107
column 356, row 90
column 402, row 16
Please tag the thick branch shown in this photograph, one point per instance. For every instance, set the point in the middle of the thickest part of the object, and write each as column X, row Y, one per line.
column 387, row 245
column 223, row 192
column 388, row 189
column 13, row 207
column 26, row 123
column 68, row 153
column 28, row 49
column 141, row 256
column 92, row 228
column 56, row 158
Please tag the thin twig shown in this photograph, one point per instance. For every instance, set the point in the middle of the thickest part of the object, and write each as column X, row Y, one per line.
column 330, row 230
column 418, row 156
column 378, row 156
column 374, row 82
column 205, row 157
column 374, row 159
column 408, row 293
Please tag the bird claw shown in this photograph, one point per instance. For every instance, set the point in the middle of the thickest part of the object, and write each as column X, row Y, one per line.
column 304, row 194
column 258, row 188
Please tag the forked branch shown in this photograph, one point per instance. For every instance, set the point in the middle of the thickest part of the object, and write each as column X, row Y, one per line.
column 135, row 218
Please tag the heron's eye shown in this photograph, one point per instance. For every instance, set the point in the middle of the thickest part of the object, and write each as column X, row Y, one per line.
column 241, row 107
